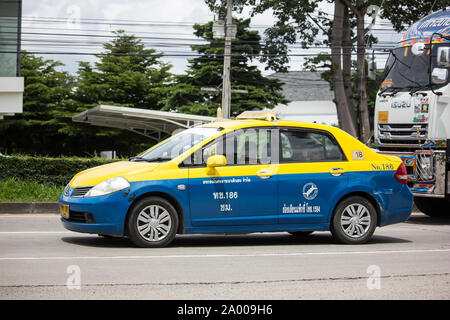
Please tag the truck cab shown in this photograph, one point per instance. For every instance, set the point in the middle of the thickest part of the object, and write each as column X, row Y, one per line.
column 412, row 110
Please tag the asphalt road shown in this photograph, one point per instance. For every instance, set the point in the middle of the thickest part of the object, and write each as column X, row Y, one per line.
column 41, row 260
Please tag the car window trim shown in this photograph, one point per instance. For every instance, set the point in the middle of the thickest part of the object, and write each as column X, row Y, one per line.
column 312, row 130
column 181, row 165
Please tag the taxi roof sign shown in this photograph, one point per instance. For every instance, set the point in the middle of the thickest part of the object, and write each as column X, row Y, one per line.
column 258, row 115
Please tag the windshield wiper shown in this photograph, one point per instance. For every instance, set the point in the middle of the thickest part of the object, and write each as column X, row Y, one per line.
column 137, row 159
column 157, row 159
column 394, row 90
column 418, row 88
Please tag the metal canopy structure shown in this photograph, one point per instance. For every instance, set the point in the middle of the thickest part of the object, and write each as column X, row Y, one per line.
column 153, row 124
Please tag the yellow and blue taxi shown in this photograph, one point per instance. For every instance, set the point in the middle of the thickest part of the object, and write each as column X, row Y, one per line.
column 253, row 174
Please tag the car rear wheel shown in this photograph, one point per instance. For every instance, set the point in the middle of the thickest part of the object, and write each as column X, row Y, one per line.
column 354, row 220
column 152, row 223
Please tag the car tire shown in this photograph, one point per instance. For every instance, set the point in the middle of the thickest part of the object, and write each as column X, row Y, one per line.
column 432, row 207
column 152, row 223
column 354, row 220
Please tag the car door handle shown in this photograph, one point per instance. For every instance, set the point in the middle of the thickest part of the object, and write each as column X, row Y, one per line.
column 337, row 172
column 264, row 174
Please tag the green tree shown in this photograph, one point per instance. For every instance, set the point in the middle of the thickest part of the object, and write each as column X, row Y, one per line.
column 206, row 71
column 47, row 91
column 344, row 32
column 403, row 13
column 127, row 74
column 46, row 128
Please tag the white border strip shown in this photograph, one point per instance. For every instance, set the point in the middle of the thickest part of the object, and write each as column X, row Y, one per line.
column 291, row 254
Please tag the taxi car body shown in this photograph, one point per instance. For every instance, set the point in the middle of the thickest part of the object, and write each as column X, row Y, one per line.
column 242, row 176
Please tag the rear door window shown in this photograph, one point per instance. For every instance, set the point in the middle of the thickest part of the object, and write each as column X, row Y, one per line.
column 308, row 146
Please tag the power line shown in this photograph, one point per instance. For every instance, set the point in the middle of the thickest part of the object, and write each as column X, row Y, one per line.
column 174, row 54
column 125, row 22
column 173, row 41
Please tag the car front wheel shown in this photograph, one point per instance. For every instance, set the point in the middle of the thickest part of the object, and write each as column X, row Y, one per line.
column 354, row 220
column 152, row 223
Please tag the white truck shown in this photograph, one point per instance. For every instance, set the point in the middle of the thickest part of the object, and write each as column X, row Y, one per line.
column 412, row 110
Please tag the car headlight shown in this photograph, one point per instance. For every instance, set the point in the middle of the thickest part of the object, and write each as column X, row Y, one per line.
column 108, row 186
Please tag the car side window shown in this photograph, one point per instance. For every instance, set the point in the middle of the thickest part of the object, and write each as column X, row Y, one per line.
column 308, row 146
column 241, row 147
column 253, row 146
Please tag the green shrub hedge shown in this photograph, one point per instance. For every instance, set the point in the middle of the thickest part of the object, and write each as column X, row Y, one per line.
column 13, row 190
column 56, row 171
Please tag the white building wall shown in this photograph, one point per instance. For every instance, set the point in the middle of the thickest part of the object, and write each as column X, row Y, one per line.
column 319, row 111
column 11, row 95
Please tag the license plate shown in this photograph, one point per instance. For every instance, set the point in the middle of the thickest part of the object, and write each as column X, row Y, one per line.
column 64, row 210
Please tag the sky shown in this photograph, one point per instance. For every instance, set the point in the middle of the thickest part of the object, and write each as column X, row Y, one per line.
column 161, row 23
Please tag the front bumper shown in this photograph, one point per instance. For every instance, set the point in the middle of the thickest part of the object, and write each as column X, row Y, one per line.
column 104, row 214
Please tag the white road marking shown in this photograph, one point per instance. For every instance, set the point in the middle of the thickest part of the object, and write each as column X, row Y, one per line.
column 34, row 232
column 30, row 215
column 225, row 255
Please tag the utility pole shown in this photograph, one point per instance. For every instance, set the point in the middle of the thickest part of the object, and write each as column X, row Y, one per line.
column 226, row 86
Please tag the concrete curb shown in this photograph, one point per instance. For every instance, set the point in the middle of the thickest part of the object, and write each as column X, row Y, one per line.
column 29, row 207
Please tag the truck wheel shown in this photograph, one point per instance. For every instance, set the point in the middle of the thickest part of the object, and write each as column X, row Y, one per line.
column 433, row 207
column 354, row 220
column 152, row 223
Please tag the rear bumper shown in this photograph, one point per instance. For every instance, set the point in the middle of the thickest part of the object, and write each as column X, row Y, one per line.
column 397, row 207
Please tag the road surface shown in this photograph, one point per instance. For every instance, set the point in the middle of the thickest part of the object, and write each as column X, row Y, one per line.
column 41, row 260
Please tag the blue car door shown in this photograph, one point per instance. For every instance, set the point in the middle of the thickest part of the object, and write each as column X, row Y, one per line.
column 244, row 191
column 311, row 175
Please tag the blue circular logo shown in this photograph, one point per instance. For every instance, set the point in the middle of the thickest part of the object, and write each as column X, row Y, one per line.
column 310, row 191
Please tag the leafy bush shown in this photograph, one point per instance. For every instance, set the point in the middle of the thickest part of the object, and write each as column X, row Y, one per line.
column 13, row 190
column 53, row 171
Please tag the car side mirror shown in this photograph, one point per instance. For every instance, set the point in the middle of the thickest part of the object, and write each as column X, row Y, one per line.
column 443, row 57
column 216, row 161
column 439, row 75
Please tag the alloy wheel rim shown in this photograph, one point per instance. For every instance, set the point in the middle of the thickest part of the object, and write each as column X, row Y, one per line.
column 355, row 220
column 154, row 223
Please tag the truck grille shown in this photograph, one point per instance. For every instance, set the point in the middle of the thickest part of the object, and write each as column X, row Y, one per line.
column 81, row 191
column 424, row 166
column 403, row 133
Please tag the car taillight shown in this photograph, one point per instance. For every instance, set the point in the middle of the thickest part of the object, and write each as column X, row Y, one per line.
column 401, row 175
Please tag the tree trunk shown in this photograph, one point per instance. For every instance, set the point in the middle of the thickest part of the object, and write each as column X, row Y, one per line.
column 347, row 65
column 346, row 122
column 364, row 120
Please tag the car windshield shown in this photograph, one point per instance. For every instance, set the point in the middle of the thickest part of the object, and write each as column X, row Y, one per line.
column 405, row 71
column 176, row 145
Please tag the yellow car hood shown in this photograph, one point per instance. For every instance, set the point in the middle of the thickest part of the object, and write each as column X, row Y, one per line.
column 126, row 169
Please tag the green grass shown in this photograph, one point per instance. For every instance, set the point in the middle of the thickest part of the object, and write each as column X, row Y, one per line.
column 13, row 190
